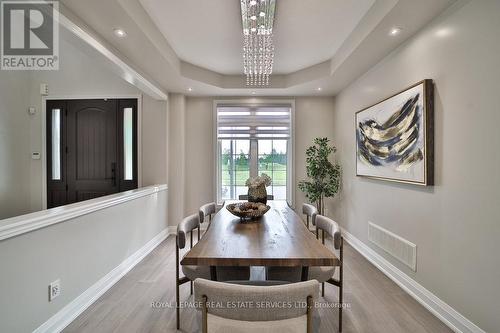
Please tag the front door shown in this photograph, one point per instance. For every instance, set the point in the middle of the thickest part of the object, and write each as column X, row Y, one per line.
column 95, row 154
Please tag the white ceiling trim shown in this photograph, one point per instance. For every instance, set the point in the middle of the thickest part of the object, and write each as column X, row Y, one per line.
column 122, row 68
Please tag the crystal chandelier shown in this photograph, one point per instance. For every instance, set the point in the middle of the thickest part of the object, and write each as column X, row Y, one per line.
column 258, row 49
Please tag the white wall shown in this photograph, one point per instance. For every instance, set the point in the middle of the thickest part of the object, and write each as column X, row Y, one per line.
column 14, row 143
column 176, row 153
column 83, row 74
column 82, row 250
column 455, row 224
column 313, row 118
column 79, row 252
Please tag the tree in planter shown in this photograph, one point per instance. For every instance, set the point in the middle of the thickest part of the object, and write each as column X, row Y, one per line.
column 324, row 176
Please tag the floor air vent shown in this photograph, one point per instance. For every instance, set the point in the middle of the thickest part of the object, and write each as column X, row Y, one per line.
column 398, row 247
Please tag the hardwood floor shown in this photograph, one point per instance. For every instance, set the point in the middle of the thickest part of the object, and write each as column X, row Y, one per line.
column 376, row 304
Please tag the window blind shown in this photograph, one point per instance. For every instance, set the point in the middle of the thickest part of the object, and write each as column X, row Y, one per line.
column 261, row 122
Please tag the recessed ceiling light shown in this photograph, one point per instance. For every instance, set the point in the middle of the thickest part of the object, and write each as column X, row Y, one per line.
column 262, row 14
column 319, row 89
column 253, row 17
column 443, row 32
column 395, row 31
column 120, row 33
column 253, row 92
column 190, row 89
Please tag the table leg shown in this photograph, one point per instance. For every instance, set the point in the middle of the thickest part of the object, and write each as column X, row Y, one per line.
column 305, row 273
column 213, row 273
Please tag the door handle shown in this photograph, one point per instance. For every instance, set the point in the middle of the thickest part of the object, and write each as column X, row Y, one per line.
column 113, row 173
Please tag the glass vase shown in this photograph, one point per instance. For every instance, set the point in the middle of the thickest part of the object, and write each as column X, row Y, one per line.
column 257, row 194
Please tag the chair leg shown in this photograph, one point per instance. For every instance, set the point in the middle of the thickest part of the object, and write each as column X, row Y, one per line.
column 341, row 288
column 177, row 300
column 177, row 297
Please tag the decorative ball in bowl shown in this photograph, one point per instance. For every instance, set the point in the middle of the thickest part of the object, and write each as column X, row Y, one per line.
column 248, row 210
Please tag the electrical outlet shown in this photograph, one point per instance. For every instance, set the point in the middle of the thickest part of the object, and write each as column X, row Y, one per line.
column 54, row 290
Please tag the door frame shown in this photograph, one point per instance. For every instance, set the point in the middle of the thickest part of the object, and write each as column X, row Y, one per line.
column 83, row 97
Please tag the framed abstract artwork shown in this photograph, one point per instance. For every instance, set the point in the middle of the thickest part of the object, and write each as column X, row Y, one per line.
column 395, row 137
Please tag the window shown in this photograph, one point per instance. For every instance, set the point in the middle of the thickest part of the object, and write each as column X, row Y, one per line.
column 253, row 140
column 56, row 144
column 128, row 137
column 273, row 160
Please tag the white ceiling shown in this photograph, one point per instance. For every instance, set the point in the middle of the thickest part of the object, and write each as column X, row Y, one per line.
column 208, row 33
column 193, row 47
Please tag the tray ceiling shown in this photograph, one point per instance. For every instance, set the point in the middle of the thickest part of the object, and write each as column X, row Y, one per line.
column 208, row 33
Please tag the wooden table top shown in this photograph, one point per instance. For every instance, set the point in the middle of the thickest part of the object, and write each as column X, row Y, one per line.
column 279, row 238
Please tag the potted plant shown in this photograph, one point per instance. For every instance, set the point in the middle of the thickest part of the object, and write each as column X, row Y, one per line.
column 257, row 188
column 324, row 176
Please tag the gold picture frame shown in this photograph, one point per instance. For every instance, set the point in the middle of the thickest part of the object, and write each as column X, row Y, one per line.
column 395, row 137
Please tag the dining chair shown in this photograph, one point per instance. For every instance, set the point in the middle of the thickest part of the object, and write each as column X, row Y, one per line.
column 191, row 272
column 187, row 226
column 223, row 317
column 310, row 212
column 208, row 209
column 245, row 197
column 324, row 274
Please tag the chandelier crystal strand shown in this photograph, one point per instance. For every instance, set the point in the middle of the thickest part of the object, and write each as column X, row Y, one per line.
column 258, row 49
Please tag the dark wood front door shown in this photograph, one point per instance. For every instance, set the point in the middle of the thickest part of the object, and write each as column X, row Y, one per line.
column 88, row 158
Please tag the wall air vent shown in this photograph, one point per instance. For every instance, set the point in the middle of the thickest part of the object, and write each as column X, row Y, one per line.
column 401, row 249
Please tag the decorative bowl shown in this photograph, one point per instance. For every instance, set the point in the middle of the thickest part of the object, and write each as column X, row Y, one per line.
column 248, row 210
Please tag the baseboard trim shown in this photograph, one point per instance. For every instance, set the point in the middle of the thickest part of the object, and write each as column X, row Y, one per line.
column 72, row 310
column 452, row 318
column 172, row 230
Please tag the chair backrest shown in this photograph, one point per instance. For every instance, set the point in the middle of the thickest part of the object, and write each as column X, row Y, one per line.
column 206, row 210
column 245, row 197
column 310, row 211
column 330, row 227
column 264, row 303
column 187, row 225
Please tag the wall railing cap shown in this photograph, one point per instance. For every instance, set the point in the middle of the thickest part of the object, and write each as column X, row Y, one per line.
column 21, row 224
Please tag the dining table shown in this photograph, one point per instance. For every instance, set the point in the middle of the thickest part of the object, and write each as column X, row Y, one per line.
column 278, row 238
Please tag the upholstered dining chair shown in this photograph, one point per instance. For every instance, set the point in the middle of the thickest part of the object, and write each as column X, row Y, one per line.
column 187, row 226
column 208, row 209
column 324, row 274
column 245, row 197
column 191, row 273
column 298, row 317
column 310, row 212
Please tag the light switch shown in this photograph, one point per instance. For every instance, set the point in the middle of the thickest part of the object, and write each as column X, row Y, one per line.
column 32, row 110
column 35, row 155
column 44, row 89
